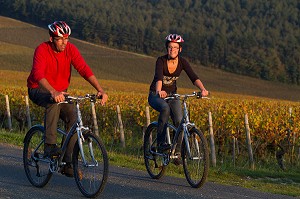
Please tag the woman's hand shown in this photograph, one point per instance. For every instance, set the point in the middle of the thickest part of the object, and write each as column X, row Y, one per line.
column 204, row 93
column 162, row 94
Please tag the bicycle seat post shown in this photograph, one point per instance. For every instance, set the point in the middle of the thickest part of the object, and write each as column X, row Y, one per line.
column 79, row 120
column 168, row 135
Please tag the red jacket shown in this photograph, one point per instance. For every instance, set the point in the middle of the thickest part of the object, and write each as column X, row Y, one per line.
column 56, row 67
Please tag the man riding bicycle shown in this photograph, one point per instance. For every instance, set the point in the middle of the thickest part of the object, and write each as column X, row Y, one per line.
column 167, row 71
column 48, row 83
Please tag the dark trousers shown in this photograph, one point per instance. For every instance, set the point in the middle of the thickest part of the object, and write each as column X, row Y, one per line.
column 166, row 109
column 54, row 112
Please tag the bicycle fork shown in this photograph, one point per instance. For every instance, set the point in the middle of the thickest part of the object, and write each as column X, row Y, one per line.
column 194, row 142
column 90, row 147
column 80, row 128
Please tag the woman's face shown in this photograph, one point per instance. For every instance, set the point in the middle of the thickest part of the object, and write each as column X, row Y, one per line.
column 173, row 50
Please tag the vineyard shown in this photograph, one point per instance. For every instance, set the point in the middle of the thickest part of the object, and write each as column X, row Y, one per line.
column 274, row 124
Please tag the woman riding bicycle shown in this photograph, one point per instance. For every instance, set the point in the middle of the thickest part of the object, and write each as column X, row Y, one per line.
column 167, row 71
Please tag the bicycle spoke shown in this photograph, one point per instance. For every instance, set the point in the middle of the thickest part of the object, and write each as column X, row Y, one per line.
column 195, row 159
column 91, row 176
column 36, row 171
column 154, row 163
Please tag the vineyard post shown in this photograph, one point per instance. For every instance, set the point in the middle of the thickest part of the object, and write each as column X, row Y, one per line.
column 147, row 120
column 212, row 142
column 237, row 146
column 122, row 137
column 95, row 119
column 8, row 113
column 28, row 112
column 294, row 135
column 148, row 116
column 248, row 139
column 233, row 151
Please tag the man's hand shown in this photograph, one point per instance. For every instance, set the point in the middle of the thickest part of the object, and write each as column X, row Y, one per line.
column 58, row 96
column 104, row 97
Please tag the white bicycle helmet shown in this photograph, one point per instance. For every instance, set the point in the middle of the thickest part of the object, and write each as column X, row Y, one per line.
column 59, row 29
column 174, row 38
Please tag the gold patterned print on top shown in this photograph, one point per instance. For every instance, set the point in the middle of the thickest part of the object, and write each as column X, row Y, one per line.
column 168, row 81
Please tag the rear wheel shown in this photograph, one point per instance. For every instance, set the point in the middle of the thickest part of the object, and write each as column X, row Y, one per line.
column 35, row 165
column 195, row 163
column 92, row 176
column 154, row 163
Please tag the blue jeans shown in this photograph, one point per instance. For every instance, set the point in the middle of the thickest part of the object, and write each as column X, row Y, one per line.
column 166, row 109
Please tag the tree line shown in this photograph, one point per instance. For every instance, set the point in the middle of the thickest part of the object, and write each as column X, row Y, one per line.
column 256, row 38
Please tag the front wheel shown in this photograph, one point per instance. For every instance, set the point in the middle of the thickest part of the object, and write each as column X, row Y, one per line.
column 91, row 175
column 35, row 165
column 195, row 158
column 154, row 163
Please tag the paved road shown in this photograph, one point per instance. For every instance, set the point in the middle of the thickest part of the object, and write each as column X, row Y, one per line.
column 122, row 183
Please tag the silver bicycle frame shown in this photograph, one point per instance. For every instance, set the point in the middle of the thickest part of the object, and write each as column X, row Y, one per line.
column 168, row 135
column 81, row 139
column 186, row 126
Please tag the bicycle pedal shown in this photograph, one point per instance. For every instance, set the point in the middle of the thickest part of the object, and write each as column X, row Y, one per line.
column 54, row 156
column 153, row 148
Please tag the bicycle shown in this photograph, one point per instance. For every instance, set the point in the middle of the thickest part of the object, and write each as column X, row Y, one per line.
column 194, row 148
column 89, row 159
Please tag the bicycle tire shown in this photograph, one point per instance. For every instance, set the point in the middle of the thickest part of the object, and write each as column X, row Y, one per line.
column 195, row 168
column 37, row 171
column 91, row 179
column 154, row 163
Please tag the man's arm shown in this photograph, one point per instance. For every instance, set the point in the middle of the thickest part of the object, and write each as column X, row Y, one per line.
column 57, row 96
column 94, row 82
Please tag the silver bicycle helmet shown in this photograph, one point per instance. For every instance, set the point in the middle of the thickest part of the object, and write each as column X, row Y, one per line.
column 59, row 29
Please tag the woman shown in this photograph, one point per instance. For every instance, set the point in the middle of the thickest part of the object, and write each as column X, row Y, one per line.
column 167, row 71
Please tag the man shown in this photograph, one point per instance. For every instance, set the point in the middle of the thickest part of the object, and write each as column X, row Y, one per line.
column 50, row 78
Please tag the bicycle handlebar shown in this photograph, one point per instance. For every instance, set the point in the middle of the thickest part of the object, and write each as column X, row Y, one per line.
column 185, row 96
column 70, row 99
column 92, row 98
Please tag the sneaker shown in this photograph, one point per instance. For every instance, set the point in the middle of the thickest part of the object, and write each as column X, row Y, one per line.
column 177, row 161
column 51, row 150
column 67, row 170
column 163, row 147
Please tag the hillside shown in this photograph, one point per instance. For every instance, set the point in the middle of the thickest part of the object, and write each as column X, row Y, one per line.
column 18, row 41
column 254, row 38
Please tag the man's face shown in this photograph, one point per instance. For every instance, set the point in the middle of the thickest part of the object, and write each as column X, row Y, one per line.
column 60, row 43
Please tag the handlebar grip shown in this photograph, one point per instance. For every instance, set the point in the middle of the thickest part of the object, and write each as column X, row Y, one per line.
column 94, row 96
column 199, row 94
